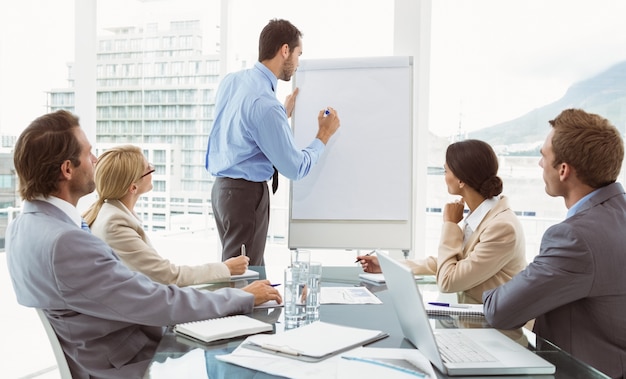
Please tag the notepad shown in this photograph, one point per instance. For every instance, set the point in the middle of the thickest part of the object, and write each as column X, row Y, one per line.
column 249, row 274
column 380, row 278
column 222, row 328
column 454, row 309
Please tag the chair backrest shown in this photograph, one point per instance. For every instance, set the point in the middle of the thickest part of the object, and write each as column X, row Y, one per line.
column 64, row 369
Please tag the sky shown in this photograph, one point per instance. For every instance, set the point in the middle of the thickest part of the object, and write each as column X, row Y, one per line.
column 491, row 60
column 34, row 49
column 517, row 55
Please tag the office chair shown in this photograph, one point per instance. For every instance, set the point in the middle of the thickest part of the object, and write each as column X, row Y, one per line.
column 64, row 369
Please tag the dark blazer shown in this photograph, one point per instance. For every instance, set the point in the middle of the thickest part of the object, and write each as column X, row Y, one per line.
column 108, row 318
column 576, row 286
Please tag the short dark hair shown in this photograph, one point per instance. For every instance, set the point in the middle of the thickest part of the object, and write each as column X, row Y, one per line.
column 590, row 144
column 40, row 151
column 274, row 35
column 476, row 164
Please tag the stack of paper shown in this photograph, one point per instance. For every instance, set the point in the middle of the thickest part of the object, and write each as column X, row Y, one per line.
column 342, row 365
column 348, row 295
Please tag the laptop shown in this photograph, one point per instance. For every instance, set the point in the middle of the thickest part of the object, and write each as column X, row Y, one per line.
column 492, row 353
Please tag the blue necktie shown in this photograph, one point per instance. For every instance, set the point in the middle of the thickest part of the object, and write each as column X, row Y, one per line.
column 84, row 226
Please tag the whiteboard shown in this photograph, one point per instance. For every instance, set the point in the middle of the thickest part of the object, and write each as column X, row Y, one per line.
column 359, row 195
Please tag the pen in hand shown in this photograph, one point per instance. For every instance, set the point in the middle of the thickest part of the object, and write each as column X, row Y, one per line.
column 243, row 249
column 367, row 255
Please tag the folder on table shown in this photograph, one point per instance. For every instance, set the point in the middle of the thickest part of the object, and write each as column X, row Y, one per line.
column 313, row 342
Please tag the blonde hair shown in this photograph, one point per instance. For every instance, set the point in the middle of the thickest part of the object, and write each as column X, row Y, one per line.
column 116, row 169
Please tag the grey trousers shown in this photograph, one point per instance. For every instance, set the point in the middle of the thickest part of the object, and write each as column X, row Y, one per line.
column 242, row 210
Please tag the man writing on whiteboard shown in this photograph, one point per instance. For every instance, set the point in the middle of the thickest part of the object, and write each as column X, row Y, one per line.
column 251, row 142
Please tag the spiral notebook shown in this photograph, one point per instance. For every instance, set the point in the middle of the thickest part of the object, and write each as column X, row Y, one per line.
column 222, row 328
column 454, row 309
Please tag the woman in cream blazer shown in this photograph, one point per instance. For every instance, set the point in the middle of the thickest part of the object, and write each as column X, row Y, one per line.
column 122, row 175
column 488, row 248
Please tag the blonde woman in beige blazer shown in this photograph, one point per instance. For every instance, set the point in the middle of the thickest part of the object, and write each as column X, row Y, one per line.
column 492, row 249
column 122, row 175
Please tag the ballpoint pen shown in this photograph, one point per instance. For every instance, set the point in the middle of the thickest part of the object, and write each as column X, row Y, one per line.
column 278, row 349
column 367, row 255
column 448, row 305
column 243, row 249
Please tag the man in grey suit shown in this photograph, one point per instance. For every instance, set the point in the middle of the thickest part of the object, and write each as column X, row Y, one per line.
column 575, row 289
column 108, row 318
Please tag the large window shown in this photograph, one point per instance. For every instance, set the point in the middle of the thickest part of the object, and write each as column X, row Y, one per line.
column 493, row 65
column 501, row 69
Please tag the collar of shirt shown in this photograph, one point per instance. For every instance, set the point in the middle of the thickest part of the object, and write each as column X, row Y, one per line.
column 269, row 74
column 474, row 218
column 574, row 209
column 66, row 207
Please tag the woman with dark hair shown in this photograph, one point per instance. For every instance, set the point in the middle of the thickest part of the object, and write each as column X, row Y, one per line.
column 488, row 248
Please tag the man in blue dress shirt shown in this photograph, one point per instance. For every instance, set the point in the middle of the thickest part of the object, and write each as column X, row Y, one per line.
column 251, row 141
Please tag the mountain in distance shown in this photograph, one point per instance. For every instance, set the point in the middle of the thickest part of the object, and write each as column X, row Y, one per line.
column 604, row 94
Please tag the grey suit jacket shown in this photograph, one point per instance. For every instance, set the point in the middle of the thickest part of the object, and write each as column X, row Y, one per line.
column 576, row 286
column 108, row 318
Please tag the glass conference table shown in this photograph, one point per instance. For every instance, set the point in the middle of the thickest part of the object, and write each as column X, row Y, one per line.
column 181, row 357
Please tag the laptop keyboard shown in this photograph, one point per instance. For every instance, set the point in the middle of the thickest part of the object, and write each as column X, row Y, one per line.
column 458, row 348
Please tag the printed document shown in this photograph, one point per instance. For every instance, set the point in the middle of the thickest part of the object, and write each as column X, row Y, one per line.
column 334, row 367
column 348, row 295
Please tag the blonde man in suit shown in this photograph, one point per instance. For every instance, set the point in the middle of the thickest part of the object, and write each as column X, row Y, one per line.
column 122, row 175
column 490, row 248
